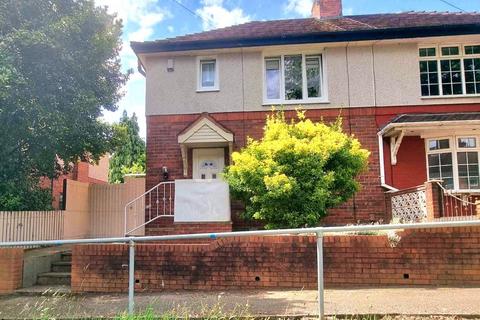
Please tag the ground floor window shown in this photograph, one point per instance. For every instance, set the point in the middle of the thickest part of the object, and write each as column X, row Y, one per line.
column 455, row 161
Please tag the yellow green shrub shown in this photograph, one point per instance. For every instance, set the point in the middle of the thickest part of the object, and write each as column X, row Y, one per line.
column 296, row 172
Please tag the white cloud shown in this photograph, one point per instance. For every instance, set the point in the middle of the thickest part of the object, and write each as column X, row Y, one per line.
column 131, row 10
column 348, row 11
column 300, row 7
column 140, row 17
column 170, row 28
column 215, row 15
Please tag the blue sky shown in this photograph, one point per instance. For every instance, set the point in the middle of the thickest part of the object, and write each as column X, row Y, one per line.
column 159, row 19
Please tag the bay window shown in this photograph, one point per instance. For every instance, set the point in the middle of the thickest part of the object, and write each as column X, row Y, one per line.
column 455, row 161
column 296, row 78
column 449, row 70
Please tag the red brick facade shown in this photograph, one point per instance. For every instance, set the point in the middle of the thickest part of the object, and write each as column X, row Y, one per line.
column 368, row 205
column 422, row 257
column 11, row 268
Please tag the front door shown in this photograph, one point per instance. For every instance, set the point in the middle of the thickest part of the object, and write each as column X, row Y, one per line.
column 208, row 163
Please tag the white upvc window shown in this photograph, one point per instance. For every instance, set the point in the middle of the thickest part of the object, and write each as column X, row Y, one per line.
column 455, row 160
column 294, row 78
column 449, row 70
column 207, row 70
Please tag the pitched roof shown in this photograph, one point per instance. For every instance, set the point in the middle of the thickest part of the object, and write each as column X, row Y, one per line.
column 458, row 116
column 311, row 30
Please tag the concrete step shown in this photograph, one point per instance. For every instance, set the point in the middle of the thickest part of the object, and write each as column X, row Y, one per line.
column 38, row 290
column 66, row 256
column 62, row 266
column 54, row 278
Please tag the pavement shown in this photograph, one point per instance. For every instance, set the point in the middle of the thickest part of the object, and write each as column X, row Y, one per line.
column 414, row 303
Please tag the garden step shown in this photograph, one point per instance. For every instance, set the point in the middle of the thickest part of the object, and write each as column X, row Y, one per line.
column 62, row 266
column 54, row 278
column 66, row 256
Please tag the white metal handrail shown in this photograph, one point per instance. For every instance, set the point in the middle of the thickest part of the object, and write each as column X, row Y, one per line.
column 320, row 232
column 155, row 203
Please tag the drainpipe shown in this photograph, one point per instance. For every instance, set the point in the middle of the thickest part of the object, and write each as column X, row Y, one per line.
column 382, row 164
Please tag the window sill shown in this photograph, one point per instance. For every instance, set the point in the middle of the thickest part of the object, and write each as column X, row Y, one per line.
column 208, row 90
column 294, row 102
column 451, row 96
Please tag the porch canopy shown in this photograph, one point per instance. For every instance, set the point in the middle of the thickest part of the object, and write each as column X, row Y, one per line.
column 205, row 132
column 429, row 125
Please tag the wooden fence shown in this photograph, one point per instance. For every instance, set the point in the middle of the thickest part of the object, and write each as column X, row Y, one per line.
column 31, row 225
column 91, row 211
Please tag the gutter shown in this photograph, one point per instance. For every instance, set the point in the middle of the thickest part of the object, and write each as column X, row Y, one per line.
column 141, row 68
column 317, row 37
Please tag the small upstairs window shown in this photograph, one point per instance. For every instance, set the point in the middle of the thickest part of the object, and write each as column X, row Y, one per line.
column 207, row 74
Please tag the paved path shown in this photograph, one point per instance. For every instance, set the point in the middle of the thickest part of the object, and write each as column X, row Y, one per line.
column 407, row 301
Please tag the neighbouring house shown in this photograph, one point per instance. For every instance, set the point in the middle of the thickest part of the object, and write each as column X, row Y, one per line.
column 83, row 172
column 406, row 84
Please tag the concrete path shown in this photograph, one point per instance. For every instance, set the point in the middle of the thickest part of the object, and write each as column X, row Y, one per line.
column 405, row 301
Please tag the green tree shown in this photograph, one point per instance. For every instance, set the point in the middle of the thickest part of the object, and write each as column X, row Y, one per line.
column 129, row 155
column 59, row 69
column 296, row 172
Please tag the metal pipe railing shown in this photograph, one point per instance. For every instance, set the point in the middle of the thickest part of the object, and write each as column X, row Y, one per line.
column 145, row 209
column 319, row 231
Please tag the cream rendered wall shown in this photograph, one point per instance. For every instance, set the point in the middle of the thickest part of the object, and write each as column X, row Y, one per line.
column 176, row 92
column 380, row 74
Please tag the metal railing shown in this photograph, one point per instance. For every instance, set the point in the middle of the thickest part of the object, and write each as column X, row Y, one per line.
column 31, row 225
column 153, row 204
column 455, row 205
column 319, row 232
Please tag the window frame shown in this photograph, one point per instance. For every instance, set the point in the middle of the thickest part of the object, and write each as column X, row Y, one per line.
column 438, row 58
column 199, row 62
column 454, row 149
column 305, row 99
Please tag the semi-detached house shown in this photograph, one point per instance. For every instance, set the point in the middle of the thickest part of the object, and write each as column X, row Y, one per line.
column 407, row 85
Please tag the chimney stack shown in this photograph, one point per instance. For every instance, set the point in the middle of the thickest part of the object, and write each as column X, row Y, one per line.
column 326, row 9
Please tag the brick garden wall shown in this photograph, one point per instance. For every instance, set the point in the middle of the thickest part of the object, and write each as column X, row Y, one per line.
column 11, row 269
column 422, row 257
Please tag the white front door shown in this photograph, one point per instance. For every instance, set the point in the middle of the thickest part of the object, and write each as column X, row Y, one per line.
column 208, row 163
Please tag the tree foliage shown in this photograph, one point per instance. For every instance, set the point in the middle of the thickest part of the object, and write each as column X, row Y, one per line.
column 59, row 69
column 129, row 153
column 296, row 172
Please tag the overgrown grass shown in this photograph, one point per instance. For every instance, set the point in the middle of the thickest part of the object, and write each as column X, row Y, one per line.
column 207, row 312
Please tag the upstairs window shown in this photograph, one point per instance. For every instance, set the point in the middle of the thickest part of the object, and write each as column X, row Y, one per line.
column 296, row 78
column 449, row 70
column 207, row 74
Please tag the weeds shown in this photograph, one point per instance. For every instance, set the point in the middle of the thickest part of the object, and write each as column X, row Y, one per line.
column 206, row 311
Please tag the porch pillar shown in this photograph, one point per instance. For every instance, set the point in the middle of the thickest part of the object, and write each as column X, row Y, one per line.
column 433, row 197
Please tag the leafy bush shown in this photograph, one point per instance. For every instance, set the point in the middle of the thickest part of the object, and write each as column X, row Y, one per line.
column 296, row 172
column 24, row 195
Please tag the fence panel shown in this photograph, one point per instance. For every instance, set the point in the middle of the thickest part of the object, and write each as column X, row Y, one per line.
column 409, row 205
column 31, row 225
column 107, row 207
